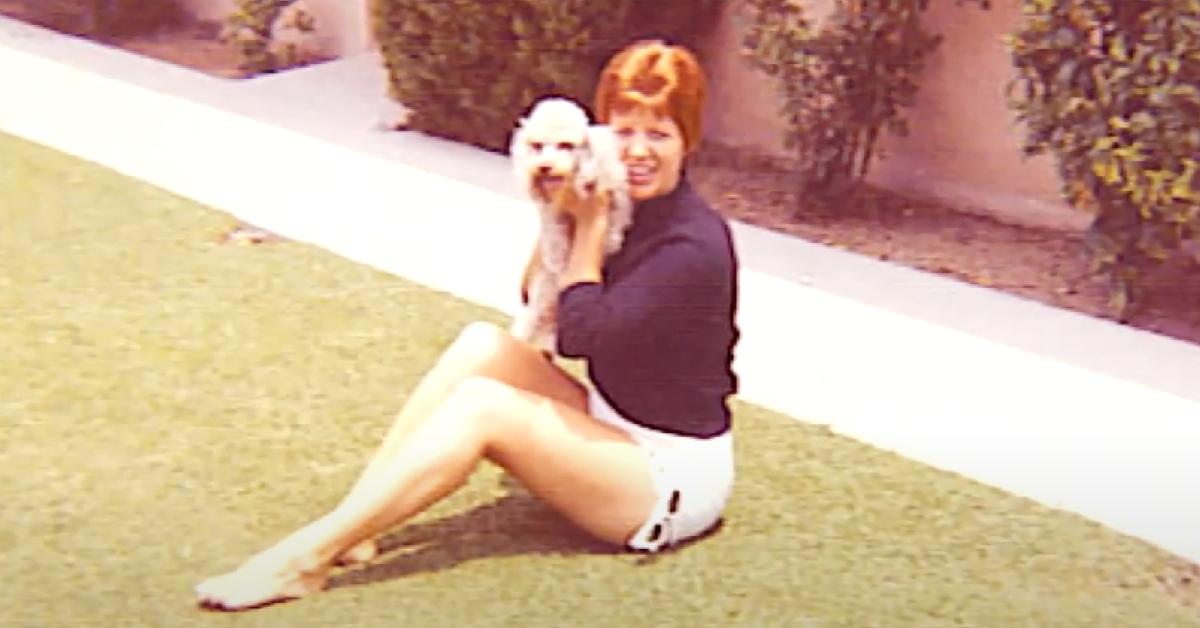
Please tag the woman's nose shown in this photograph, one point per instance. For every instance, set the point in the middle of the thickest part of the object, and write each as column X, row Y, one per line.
column 637, row 147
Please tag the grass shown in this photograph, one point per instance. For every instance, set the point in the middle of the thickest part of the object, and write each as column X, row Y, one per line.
column 171, row 403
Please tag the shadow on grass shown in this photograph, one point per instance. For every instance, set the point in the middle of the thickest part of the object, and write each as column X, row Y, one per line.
column 516, row 524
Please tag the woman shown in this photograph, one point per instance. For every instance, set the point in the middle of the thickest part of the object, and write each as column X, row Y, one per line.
column 640, row 455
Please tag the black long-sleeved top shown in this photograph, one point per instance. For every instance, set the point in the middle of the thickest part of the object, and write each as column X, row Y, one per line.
column 658, row 332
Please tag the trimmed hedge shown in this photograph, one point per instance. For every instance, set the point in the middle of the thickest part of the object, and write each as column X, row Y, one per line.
column 469, row 68
column 248, row 30
column 1112, row 90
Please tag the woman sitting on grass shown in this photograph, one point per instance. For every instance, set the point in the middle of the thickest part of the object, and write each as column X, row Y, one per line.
column 640, row 455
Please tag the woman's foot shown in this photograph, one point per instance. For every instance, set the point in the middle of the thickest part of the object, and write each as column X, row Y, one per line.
column 360, row 554
column 262, row 580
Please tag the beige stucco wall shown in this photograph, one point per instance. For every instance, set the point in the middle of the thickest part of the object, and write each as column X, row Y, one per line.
column 342, row 25
column 964, row 146
column 965, row 143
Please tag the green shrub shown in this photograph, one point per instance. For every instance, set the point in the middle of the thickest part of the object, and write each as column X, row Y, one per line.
column 1112, row 90
column 842, row 84
column 469, row 68
column 248, row 30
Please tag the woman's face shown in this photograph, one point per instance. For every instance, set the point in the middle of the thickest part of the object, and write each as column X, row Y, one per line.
column 652, row 149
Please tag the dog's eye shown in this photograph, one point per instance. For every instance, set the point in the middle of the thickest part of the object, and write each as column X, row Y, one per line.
column 536, row 146
column 566, row 146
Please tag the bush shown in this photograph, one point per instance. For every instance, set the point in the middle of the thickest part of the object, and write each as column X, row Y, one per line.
column 469, row 68
column 1112, row 90
column 248, row 30
column 254, row 30
column 842, row 84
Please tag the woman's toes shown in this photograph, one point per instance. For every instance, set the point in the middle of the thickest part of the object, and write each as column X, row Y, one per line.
column 207, row 593
column 244, row 589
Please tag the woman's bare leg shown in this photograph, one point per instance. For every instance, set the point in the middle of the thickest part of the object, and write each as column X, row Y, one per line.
column 589, row 471
column 480, row 350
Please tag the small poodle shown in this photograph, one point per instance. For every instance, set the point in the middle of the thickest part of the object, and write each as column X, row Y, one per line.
column 557, row 153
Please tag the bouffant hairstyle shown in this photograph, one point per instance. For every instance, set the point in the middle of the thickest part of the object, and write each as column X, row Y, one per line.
column 665, row 79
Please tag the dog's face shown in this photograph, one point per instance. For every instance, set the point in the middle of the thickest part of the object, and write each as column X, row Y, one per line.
column 547, row 147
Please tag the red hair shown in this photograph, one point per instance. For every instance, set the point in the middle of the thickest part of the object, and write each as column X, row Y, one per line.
column 666, row 80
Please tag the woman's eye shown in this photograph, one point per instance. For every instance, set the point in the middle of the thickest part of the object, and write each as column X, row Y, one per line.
column 624, row 132
column 658, row 135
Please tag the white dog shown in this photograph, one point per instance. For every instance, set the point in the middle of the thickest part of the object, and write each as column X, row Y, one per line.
column 553, row 148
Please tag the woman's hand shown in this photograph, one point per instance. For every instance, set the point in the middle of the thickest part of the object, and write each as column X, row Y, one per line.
column 589, row 210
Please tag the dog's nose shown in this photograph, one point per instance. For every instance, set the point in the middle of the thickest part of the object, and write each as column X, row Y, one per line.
column 543, row 169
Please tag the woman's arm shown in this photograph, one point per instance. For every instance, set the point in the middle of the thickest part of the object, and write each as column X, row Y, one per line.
column 587, row 252
column 679, row 283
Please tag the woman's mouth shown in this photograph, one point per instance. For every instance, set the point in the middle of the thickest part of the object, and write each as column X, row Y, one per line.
column 640, row 175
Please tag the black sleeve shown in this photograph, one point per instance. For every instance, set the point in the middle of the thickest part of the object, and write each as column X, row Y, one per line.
column 664, row 289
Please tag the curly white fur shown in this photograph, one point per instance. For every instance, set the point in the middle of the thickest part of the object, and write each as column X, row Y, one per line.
column 556, row 144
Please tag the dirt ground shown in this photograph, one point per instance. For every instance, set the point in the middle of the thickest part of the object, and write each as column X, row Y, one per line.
column 195, row 45
column 1044, row 265
column 190, row 43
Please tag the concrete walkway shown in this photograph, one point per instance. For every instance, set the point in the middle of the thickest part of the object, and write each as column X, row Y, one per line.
column 1073, row 412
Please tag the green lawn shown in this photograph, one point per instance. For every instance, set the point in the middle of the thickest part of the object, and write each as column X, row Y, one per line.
column 169, row 404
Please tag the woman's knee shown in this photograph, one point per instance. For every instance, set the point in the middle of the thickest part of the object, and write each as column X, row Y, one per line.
column 480, row 339
column 483, row 349
column 477, row 345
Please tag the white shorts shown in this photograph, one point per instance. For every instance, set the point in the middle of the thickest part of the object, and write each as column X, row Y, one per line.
column 694, row 478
